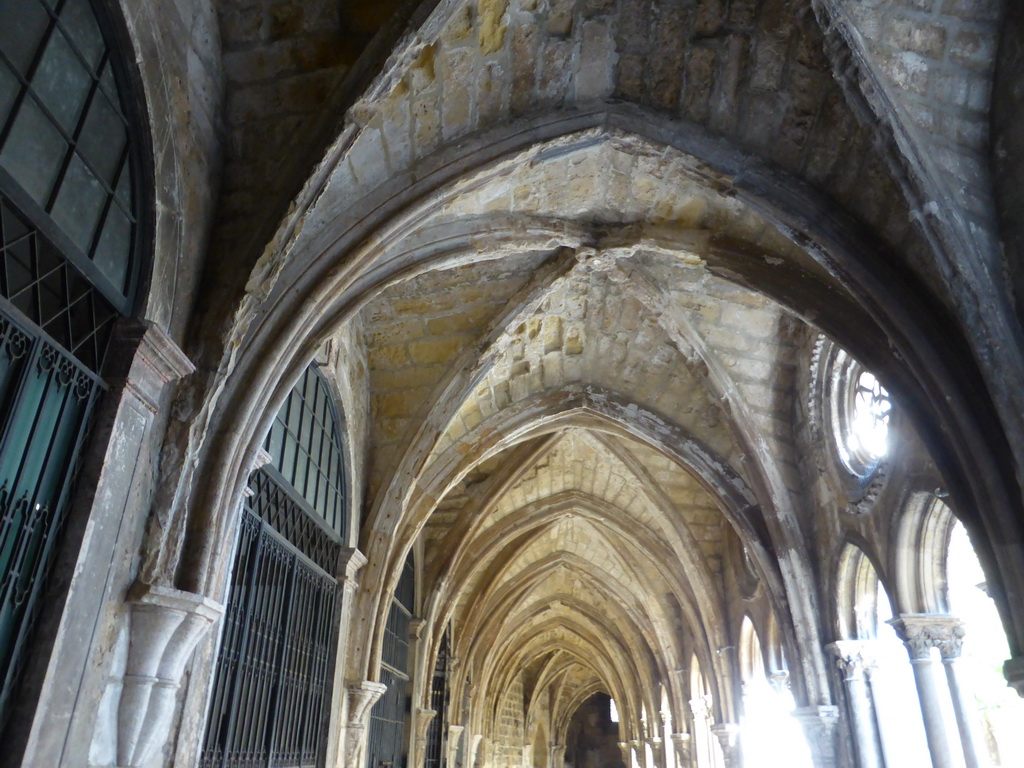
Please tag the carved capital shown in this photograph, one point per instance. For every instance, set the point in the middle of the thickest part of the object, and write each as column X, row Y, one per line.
column 922, row 632
column 416, row 627
column 361, row 698
column 423, row 720
column 699, row 708
column 682, row 743
column 728, row 735
column 144, row 359
column 1013, row 671
column 454, row 738
column 165, row 625
column 853, row 657
column 819, row 724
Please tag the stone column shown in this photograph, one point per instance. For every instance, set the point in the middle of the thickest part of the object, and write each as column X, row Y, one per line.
column 350, row 561
column 919, row 634
column 165, row 625
column 655, row 756
column 361, row 698
column 949, row 652
column 819, row 724
column 557, row 756
column 728, row 735
column 683, row 747
column 527, row 755
column 454, row 738
column 701, row 725
column 423, row 720
column 853, row 657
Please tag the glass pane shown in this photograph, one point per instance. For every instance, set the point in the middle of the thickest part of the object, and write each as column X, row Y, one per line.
column 61, row 83
column 79, row 22
column 113, row 250
column 107, row 82
column 24, row 25
column 9, row 87
column 33, row 152
column 79, row 204
column 103, row 138
column 124, row 188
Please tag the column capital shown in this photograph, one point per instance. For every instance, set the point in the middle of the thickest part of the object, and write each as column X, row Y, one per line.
column 416, row 627
column 361, row 698
column 699, row 707
column 1013, row 671
column 920, row 632
column 728, row 735
column 853, row 657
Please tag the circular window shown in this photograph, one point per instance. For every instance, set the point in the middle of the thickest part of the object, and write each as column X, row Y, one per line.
column 851, row 414
column 862, row 414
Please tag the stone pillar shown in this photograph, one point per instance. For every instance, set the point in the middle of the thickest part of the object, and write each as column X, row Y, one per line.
column 919, row 634
column 454, row 738
column 701, row 725
column 350, row 561
column 527, row 755
column 949, row 652
column 557, row 756
column 728, row 735
column 165, row 625
column 423, row 720
column 819, row 725
column 683, row 745
column 361, row 698
column 853, row 659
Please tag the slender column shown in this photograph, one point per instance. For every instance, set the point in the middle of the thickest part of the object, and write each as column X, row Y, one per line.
column 701, row 726
column 683, row 747
column 919, row 635
column 728, row 735
column 654, row 752
column 819, row 724
column 668, row 750
column 423, row 720
column 949, row 651
column 527, row 755
column 853, row 657
column 361, row 698
column 557, row 756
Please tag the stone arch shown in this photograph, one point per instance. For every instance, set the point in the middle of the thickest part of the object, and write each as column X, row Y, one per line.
column 922, row 540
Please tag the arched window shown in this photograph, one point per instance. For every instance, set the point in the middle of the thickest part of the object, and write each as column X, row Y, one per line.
column 69, row 266
column 272, row 680
column 389, row 715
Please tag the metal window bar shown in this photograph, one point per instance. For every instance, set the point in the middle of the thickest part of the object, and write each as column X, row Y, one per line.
column 435, row 757
column 46, row 401
column 388, row 716
column 306, row 446
column 271, row 683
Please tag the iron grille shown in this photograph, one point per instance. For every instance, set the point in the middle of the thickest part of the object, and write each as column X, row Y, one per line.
column 305, row 444
column 438, row 703
column 273, row 668
column 279, row 508
column 389, row 715
column 46, row 400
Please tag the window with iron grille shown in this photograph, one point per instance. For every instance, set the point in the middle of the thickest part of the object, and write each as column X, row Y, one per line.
column 271, row 685
column 69, row 267
column 389, row 716
column 438, row 703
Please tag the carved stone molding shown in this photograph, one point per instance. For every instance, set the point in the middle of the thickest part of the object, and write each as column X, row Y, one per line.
column 423, row 719
column 361, row 698
column 921, row 632
column 165, row 625
column 728, row 735
column 454, row 738
column 819, row 725
column 350, row 562
column 682, row 743
column 144, row 359
column 1013, row 671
